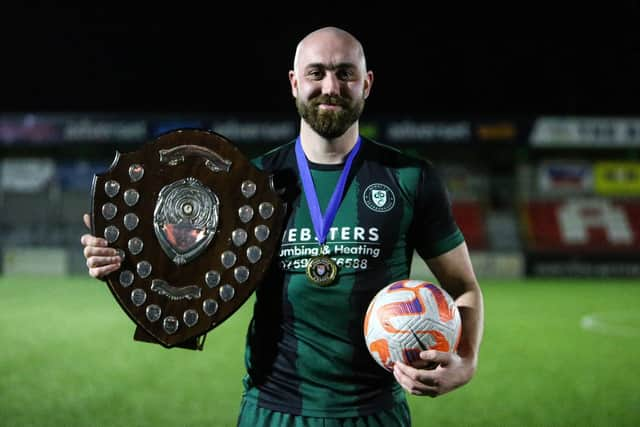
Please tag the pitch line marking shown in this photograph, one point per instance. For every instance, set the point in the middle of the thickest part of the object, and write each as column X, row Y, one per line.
column 625, row 324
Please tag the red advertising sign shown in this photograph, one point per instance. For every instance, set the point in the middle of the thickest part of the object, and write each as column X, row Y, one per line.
column 591, row 225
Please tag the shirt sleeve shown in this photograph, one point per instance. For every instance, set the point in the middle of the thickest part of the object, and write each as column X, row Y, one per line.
column 434, row 229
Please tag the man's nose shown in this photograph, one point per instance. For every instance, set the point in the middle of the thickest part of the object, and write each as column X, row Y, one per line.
column 330, row 85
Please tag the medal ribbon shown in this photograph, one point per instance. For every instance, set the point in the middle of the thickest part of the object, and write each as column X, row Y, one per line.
column 322, row 224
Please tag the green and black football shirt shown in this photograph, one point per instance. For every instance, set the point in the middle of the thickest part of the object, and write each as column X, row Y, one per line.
column 306, row 352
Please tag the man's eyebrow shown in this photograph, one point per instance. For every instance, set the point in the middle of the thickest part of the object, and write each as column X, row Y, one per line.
column 341, row 65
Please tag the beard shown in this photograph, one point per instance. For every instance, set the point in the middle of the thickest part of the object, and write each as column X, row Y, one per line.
column 328, row 123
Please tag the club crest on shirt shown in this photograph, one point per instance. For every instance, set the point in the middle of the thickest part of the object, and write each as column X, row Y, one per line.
column 379, row 198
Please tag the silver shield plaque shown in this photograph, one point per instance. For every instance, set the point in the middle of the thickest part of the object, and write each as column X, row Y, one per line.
column 198, row 226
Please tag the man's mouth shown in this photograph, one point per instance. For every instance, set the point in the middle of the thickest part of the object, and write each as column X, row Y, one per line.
column 330, row 103
column 331, row 107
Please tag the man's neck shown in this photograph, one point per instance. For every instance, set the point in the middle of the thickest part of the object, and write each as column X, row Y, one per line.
column 327, row 151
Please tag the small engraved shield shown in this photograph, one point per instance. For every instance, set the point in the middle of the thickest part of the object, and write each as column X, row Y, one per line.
column 198, row 226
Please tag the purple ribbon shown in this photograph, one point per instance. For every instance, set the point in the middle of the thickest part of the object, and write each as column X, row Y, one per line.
column 321, row 224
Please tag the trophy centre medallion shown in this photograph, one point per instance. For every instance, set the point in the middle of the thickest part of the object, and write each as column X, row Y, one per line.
column 185, row 219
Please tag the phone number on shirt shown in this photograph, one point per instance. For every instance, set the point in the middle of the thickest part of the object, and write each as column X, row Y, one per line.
column 341, row 262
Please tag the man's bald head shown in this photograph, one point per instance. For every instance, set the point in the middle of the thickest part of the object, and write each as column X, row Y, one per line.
column 333, row 38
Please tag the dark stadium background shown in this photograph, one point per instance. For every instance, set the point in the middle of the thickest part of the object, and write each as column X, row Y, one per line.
column 462, row 59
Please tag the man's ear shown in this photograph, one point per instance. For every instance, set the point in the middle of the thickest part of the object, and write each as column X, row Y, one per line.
column 368, row 82
column 294, row 83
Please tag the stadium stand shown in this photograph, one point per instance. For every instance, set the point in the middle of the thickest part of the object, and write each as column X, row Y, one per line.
column 533, row 196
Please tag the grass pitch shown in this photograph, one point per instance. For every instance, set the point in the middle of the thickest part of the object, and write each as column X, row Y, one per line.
column 555, row 353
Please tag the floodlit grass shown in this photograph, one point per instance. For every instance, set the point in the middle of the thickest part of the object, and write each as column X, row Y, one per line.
column 539, row 367
column 67, row 358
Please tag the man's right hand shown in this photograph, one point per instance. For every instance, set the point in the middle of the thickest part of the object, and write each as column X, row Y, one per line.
column 101, row 259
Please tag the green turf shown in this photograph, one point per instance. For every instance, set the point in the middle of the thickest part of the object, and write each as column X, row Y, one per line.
column 67, row 358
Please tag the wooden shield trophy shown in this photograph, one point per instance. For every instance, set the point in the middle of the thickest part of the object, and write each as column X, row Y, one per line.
column 197, row 225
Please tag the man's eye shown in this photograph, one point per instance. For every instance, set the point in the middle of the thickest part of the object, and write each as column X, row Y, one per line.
column 345, row 75
column 315, row 74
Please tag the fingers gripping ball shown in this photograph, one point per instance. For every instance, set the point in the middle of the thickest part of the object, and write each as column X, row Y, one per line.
column 407, row 317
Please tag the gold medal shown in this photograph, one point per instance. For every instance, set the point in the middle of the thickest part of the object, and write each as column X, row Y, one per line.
column 322, row 270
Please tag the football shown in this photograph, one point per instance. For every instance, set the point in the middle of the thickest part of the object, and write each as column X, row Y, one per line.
column 407, row 317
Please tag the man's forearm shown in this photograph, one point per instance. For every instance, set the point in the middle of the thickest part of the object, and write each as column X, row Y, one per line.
column 471, row 309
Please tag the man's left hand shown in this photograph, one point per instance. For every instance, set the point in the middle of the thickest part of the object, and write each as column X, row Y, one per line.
column 451, row 372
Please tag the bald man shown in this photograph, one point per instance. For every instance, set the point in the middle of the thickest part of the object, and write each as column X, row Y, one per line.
column 357, row 210
column 306, row 357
